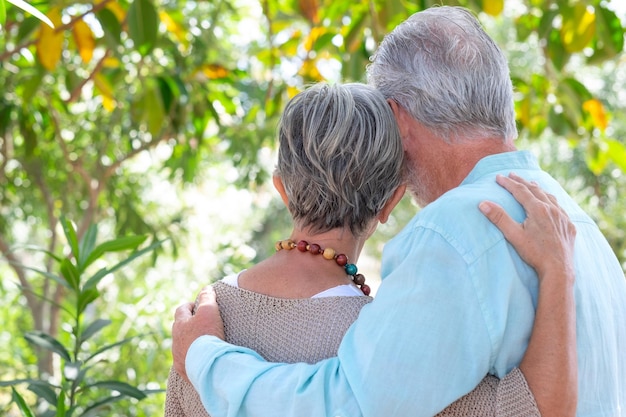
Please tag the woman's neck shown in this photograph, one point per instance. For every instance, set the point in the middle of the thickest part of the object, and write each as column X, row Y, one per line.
column 296, row 274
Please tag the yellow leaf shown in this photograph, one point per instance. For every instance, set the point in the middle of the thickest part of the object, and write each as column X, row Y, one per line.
column 108, row 103
column 108, row 100
column 83, row 36
column 117, row 10
column 111, row 62
column 596, row 110
column 310, row 72
column 493, row 7
column 214, row 71
column 174, row 27
column 50, row 42
column 578, row 28
column 292, row 91
column 315, row 33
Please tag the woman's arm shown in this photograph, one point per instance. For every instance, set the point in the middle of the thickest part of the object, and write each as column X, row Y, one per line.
column 545, row 240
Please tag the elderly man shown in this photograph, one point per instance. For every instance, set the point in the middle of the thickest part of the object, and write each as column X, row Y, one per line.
column 456, row 302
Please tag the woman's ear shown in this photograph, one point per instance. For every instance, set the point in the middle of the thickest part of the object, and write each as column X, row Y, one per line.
column 278, row 184
column 383, row 216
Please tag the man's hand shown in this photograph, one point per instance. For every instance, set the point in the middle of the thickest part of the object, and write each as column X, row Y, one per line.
column 190, row 325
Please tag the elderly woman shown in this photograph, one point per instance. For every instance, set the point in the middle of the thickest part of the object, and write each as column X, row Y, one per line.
column 340, row 173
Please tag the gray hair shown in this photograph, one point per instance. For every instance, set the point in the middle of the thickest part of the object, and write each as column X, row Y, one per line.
column 443, row 68
column 340, row 156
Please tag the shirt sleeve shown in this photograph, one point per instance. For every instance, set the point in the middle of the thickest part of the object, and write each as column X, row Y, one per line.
column 234, row 381
column 421, row 344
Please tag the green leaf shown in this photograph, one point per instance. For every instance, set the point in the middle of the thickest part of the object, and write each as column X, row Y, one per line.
column 525, row 25
column 19, row 400
column 44, row 390
column 597, row 156
column 47, row 342
column 70, row 273
column 86, row 297
column 93, row 328
column 121, row 387
column 5, row 116
column 93, row 281
column 49, row 300
column 27, row 28
column 142, row 25
column 46, row 274
column 112, row 27
column 617, row 153
column 155, row 114
column 116, row 245
column 86, row 246
column 558, row 55
column 70, row 235
column 113, row 345
column 3, row 13
column 609, row 39
column 94, row 408
column 61, row 405
column 37, row 249
column 20, row 381
column 31, row 85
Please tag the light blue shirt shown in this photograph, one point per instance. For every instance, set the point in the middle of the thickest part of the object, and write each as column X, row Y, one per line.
column 456, row 303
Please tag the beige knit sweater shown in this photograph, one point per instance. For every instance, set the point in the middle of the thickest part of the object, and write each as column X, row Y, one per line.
column 285, row 330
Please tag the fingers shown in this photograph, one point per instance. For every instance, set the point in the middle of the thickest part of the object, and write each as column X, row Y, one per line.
column 524, row 191
column 496, row 214
column 206, row 299
column 184, row 311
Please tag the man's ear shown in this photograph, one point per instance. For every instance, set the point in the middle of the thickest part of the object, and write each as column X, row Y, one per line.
column 278, row 184
column 400, row 115
column 383, row 216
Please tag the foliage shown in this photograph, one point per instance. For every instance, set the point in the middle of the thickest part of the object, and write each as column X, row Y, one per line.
column 80, row 392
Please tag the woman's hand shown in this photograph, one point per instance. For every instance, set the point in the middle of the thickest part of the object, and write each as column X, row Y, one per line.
column 545, row 240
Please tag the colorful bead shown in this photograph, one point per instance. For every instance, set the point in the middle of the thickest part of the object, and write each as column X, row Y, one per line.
column 329, row 254
column 351, row 269
column 287, row 244
column 341, row 260
column 366, row 289
column 315, row 249
column 359, row 279
column 302, row 245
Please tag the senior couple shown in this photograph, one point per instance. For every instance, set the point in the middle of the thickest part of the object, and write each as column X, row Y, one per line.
column 525, row 318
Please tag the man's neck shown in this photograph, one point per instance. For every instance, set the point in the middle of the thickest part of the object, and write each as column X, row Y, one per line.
column 462, row 158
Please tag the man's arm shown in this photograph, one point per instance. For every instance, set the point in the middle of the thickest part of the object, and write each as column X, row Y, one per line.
column 418, row 347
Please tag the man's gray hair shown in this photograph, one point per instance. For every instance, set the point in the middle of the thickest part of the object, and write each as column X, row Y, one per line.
column 340, row 156
column 443, row 68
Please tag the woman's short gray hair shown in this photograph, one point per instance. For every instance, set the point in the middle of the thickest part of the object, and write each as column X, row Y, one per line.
column 340, row 156
column 443, row 68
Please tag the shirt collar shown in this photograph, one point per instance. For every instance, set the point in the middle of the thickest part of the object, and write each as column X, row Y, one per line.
column 511, row 161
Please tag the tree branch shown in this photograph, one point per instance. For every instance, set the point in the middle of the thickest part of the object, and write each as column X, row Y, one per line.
column 79, row 88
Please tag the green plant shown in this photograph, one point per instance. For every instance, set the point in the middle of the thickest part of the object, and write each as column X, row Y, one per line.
column 79, row 391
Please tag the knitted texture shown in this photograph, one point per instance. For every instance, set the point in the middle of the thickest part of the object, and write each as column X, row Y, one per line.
column 289, row 330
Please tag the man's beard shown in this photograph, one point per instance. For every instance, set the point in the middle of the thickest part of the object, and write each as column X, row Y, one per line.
column 417, row 184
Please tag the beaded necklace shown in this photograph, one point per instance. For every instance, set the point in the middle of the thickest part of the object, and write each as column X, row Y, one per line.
column 328, row 254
